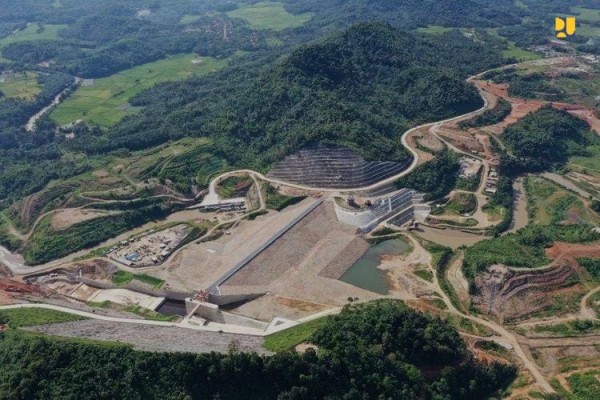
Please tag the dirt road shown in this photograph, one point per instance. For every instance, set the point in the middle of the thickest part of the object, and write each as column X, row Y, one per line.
column 30, row 126
column 505, row 334
column 587, row 312
column 457, row 279
column 520, row 217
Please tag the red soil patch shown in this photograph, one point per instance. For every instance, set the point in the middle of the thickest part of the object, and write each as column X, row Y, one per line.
column 10, row 289
column 522, row 107
column 560, row 250
column 581, row 113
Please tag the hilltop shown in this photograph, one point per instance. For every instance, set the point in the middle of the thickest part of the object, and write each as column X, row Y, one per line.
column 361, row 88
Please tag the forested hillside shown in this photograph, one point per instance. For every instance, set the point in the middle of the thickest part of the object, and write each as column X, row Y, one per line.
column 412, row 13
column 376, row 350
column 361, row 88
column 546, row 138
column 100, row 38
column 265, row 105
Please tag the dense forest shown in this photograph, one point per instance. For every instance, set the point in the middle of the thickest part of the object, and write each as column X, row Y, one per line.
column 545, row 138
column 105, row 37
column 265, row 100
column 435, row 178
column 488, row 117
column 343, row 90
column 370, row 351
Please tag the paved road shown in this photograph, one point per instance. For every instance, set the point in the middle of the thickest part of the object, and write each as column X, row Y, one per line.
column 186, row 324
column 18, row 267
column 30, row 126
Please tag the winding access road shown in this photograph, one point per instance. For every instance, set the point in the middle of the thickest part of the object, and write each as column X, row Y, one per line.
column 508, row 336
column 17, row 266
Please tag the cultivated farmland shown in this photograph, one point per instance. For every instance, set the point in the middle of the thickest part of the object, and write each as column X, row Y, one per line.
column 105, row 101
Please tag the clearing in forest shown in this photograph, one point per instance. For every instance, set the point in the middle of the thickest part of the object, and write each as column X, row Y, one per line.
column 21, row 85
column 33, row 32
column 269, row 15
column 106, row 101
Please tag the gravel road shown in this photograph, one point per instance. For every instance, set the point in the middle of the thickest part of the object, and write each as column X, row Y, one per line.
column 153, row 338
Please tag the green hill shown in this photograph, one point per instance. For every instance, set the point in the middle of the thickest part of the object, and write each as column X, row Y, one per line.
column 361, row 88
column 379, row 350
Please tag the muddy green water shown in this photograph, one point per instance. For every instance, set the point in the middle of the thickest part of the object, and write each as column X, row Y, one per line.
column 364, row 272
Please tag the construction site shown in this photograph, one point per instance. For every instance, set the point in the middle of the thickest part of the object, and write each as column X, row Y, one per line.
column 325, row 228
column 151, row 248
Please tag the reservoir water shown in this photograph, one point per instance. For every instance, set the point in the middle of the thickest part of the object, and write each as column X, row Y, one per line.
column 364, row 272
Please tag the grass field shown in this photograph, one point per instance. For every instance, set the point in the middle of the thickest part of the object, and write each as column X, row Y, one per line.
column 520, row 54
column 521, row 5
column 570, row 328
column 424, row 274
column 588, row 30
column 289, row 338
column 434, row 29
column 106, row 101
column 124, row 277
column 590, row 164
column 579, row 90
column 188, row 19
column 234, row 186
column 269, row 15
column 585, row 385
column 277, row 201
column 512, row 50
column 36, row 316
column 462, row 203
column 549, row 203
column 33, row 32
column 586, row 14
column 19, row 85
column 134, row 309
column 469, row 326
column 541, row 194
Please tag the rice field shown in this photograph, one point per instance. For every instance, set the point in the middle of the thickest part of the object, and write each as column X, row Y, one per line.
column 589, row 165
column 188, row 19
column 269, row 15
column 434, row 29
column 586, row 14
column 33, row 32
column 105, row 101
column 22, row 85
